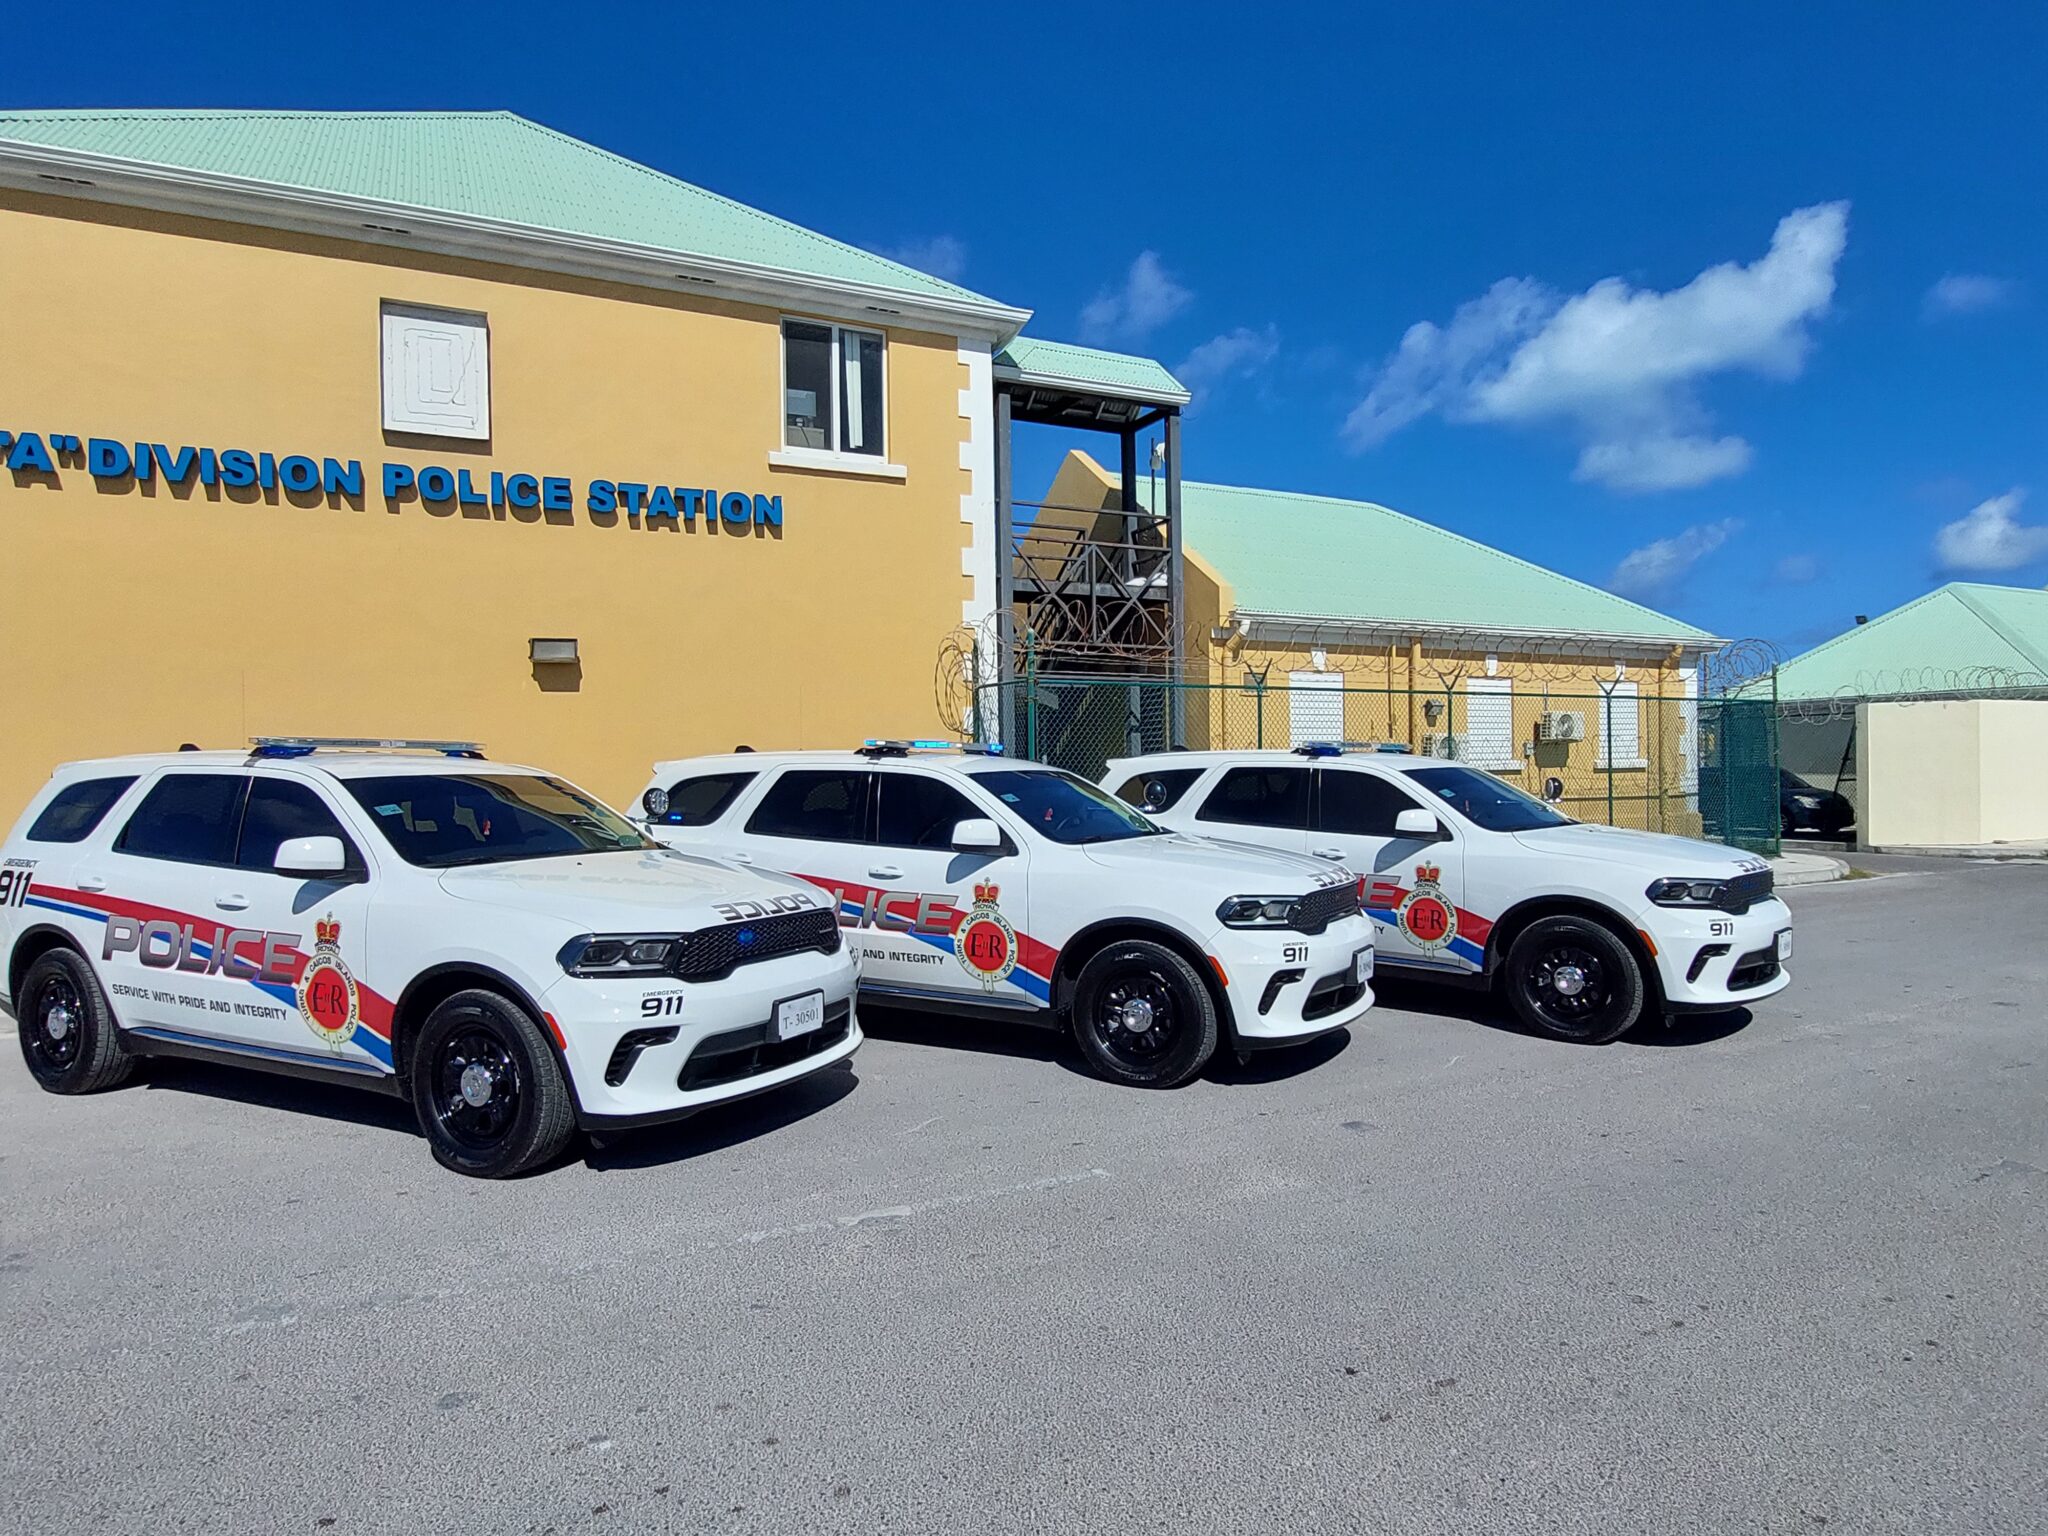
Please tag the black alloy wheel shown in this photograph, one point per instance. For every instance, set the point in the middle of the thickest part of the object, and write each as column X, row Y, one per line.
column 490, row 1094
column 68, row 1037
column 1574, row 979
column 1142, row 1015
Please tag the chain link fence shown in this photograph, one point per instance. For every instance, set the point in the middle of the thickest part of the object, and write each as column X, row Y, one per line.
column 1615, row 754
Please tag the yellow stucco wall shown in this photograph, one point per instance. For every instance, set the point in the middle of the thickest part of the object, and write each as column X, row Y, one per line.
column 135, row 618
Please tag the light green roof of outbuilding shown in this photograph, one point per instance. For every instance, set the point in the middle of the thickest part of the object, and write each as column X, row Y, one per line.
column 1321, row 558
column 490, row 165
column 1963, row 638
column 1062, row 363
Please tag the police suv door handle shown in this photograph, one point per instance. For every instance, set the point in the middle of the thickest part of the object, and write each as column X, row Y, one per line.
column 886, row 872
column 91, row 883
column 232, row 902
column 1327, row 853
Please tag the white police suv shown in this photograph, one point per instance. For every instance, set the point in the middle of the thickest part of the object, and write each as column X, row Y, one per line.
column 1588, row 927
column 974, row 883
column 486, row 941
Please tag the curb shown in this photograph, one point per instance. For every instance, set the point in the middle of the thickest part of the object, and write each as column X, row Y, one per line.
column 1811, row 869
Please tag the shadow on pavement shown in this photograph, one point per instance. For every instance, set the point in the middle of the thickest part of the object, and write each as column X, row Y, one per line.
column 1277, row 1064
column 990, row 1037
column 270, row 1090
column 1491, row 1011
column 1690, row 1029
column 715, row 1129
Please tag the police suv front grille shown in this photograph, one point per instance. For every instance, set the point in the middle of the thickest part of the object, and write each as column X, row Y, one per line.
column 1318, row 909
column 1745, row 891
column 710, row 953
column 1757, row 968
column 742, row 1053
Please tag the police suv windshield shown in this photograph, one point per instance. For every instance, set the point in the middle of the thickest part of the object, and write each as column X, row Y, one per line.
column 1486, row 802
column 440, row 820
column 1066, row 809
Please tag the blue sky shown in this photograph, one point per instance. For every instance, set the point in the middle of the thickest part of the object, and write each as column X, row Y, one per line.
column 1742, row 308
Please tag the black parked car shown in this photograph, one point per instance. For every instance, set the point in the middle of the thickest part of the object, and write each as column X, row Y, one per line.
column 1802, row 808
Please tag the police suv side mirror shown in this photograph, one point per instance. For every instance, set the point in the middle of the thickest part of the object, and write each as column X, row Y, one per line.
column 977, row 834
column 1417, row 823
column 311, row 856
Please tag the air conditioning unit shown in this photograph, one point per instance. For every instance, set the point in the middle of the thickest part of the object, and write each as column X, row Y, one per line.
column 1561, row 725
column 1440, row 744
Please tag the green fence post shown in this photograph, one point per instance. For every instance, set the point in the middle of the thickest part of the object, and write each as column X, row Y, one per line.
column 1031, row 695
column 1259, row 699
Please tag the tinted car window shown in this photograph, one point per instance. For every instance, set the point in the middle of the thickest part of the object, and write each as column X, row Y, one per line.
column 1486, row 801
column 1159, row 789
column 279, row 811
column 440, row 820
column 828, row 804
column 699, row 802
column 1260, row 797
column 1065, row 809
column 1359, row 804
column 77, row 809
column 191, row 817
column 916, row 811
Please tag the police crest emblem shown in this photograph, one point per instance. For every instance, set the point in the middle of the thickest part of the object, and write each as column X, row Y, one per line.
column 1426, row 915
column 326, row 990
column 985, row 942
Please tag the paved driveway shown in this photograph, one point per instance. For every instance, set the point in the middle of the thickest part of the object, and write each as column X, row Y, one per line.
column 1779, row 1274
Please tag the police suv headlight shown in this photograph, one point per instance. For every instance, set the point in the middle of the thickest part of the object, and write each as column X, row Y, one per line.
column 1688, row 893
column 623, row 954
column 1258, row 911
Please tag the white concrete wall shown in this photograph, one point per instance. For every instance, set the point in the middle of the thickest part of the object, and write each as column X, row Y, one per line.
column 1971, row 771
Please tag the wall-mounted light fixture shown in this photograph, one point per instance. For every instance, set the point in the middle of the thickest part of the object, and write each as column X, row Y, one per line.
column 1432, row 711
column 552, row 652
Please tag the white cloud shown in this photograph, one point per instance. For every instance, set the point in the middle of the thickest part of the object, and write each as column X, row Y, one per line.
column 1617, row 365
column 1238, row 352
column 1967, row 293
column 1660, row 565
column 1147, row 298
column 1795, row 571
column 943, row 256
column 1990, row 537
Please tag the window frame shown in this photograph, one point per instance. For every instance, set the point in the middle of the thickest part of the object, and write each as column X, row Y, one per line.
column 120, row 839
column 864, row 838
column 1632, row 757
column 1308, row 787
column 389, row 409
column 1390, row 782
column 835, row 455
column 733, row 796
column 126, row 781
column 355, row 866
column 1489, row 688
column 878, row 792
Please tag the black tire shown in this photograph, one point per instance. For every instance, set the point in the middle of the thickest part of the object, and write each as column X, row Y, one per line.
column 67, row 1027
column 490, row 1096
column 1575, row 979
column 1179, row 1014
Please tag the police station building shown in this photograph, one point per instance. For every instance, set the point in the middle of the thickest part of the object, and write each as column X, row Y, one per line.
column 449, row 425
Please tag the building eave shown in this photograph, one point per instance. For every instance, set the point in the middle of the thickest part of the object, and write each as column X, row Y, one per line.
column 1039, row 379
column 130, row 183
column 1298, row 626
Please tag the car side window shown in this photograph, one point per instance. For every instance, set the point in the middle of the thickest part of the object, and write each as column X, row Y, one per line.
column 192, row 818
column 77, row 809
column 280, row 810
column 700, row 801
column 1158, row 790
column 1360, row 804
column 915, row 810
column 824, row 804
column 1259, row 797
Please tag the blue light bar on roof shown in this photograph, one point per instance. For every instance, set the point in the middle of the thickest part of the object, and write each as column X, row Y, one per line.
column 890, row 748
column 305, row 746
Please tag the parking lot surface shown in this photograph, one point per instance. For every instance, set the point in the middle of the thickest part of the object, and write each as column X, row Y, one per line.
column 1781, row 1273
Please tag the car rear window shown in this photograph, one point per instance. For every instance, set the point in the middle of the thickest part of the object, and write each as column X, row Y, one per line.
column 193, row 818
column 77, row 809
column 1158, row 790
column 700, row 801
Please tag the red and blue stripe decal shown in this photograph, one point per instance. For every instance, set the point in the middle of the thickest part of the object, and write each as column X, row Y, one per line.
column 1032, row 975
column 1384, row 898
column 373, row 1011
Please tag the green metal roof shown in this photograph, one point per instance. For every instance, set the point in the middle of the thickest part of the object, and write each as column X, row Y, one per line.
column 1963, row 638
column 1059, row 362
column 493, row 165
column 1321, row 558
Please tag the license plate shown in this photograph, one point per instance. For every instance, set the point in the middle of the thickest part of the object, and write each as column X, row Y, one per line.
column 1784, row 945
column 1361, row 966
column 799, row 1015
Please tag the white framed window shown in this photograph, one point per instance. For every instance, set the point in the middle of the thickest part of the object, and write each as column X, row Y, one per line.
column 437, row 371
column 1619, row 743
column 834, row 390
column 1489, row 723
column 1315, row 707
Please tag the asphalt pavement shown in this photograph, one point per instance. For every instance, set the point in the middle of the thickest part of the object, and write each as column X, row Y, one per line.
column 1780, row 1273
